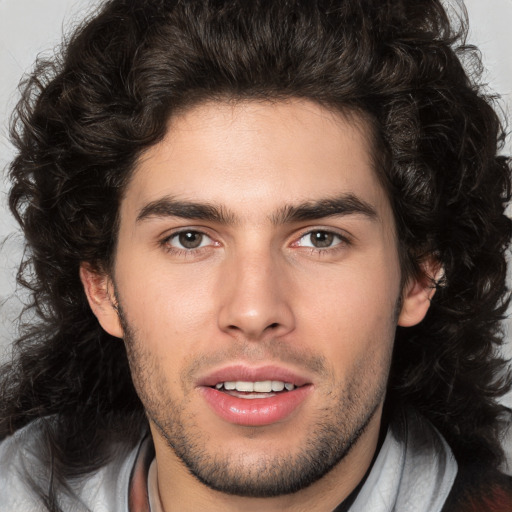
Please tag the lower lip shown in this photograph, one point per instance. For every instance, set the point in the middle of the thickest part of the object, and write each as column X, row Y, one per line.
column 255, row 412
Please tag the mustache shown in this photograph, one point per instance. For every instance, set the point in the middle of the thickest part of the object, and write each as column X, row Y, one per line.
column 274, row 351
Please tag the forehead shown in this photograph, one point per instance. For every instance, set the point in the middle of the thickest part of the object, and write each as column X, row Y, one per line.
column 257, row 153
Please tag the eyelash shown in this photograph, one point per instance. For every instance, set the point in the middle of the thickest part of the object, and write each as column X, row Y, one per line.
column 343, row 241
column 166, row 243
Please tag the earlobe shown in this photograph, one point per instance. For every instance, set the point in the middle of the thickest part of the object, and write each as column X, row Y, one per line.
column 100, row 295
column 418, row 294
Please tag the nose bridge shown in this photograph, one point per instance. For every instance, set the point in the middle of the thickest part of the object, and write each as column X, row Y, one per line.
column 255, row 295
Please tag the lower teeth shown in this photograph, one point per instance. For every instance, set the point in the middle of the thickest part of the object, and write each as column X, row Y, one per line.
column 249, row 395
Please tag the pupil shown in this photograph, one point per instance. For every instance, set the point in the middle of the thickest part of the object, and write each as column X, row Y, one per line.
column 190, row 239
column 322, row 239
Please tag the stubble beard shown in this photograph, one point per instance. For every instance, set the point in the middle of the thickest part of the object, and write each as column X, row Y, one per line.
column 329, row 440
column 327, row 445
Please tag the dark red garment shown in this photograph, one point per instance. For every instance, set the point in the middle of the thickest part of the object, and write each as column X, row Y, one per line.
column 477, row 489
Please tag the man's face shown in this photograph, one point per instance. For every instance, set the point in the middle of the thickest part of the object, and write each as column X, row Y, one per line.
column 257, row 251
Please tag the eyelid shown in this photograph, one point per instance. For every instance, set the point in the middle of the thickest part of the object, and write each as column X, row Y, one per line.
column 204, row 239
column 341, row 234
column 166, row 239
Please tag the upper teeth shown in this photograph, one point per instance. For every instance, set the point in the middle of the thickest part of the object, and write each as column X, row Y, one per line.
column 262, row 386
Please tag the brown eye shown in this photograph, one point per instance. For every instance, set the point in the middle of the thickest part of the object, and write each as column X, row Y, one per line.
column 321, row 239
column 189, row 240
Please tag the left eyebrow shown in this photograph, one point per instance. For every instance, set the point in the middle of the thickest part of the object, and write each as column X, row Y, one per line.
column 348, row 204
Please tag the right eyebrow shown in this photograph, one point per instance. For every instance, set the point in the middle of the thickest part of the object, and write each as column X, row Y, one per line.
column 169, row 207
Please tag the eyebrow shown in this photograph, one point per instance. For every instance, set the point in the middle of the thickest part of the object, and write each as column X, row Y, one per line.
column 169, row 207
column 346, row 204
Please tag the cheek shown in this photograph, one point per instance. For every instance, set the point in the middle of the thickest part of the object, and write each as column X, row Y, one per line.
column 170, row 311
column 352, row 310
column 153, row 284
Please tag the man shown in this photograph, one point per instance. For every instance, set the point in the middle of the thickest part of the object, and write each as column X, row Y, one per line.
column 292, row 214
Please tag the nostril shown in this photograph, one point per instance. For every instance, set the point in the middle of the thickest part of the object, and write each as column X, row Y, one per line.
column 275, row 325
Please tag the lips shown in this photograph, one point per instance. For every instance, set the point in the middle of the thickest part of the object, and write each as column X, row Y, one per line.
column 248, row 396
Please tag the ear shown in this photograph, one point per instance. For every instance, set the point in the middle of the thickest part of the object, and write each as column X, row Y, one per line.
column 418, row 293
column 99, row 290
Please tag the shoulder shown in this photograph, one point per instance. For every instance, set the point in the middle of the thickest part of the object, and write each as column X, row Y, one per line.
column 28, row 477
column 21, row 466
column 478, row 489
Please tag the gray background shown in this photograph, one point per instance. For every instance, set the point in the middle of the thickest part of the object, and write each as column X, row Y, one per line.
column 32, row 27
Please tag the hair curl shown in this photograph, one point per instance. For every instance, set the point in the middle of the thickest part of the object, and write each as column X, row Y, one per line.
column 85, row 117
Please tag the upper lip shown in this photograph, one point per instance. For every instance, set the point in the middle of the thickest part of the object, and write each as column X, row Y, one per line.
column 241, row 372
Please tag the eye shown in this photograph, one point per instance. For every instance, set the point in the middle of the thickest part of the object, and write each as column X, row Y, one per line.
column 320, row 239
column 189, row 240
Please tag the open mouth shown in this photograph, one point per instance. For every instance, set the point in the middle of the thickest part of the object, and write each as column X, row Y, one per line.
column 254, row 389
column 246, row 396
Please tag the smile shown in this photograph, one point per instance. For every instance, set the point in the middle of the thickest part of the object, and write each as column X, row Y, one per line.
column 255, row 389
column 246, row 396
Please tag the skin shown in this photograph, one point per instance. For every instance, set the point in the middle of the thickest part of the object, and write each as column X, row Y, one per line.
column 256, row 291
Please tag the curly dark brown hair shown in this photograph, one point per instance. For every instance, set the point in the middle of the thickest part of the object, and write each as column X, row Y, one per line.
column 86, row 116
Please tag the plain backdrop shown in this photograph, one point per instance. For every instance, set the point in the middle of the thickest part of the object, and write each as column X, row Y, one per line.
column 32, row 27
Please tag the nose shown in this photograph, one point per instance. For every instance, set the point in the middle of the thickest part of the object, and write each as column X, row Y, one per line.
column 256, row 296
